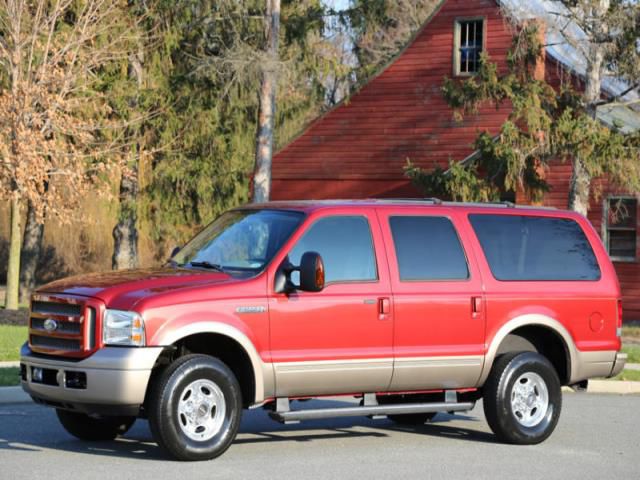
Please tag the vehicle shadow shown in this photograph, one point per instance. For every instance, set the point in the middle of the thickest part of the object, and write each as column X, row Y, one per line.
column 256, row 427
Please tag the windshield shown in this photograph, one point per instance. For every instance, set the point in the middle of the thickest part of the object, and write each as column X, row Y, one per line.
column 240, row 242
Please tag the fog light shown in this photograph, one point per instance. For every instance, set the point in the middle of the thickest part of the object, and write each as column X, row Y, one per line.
column 76, row 380
column 36, row 374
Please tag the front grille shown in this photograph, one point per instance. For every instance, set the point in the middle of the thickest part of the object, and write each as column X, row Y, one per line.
column 62, row 326
column 51, row 308
column 53, row 343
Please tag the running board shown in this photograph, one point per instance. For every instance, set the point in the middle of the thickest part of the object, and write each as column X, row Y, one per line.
column 366, row 410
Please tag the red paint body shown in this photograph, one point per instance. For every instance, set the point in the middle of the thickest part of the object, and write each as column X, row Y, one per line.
column 381, row 319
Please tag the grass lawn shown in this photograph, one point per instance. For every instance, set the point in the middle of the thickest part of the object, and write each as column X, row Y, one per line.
column 632, row 375
column 633, row 353
column 9, row 377
column 11, row 339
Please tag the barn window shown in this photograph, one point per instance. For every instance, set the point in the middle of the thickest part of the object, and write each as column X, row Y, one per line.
column 621, row 233
column 469, row 43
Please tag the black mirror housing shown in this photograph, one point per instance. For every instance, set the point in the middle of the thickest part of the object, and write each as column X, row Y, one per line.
column 311, row 272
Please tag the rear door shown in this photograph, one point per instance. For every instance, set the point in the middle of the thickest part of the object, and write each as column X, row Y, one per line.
column 439, row 313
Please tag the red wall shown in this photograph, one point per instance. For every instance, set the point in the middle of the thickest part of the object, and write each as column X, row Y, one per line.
column 359, row 149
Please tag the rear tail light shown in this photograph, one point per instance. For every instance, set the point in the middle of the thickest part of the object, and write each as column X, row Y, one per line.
column 619, row 323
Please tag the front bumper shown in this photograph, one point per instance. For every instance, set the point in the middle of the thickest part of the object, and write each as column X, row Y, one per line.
column 116, row 379
column 618, row 364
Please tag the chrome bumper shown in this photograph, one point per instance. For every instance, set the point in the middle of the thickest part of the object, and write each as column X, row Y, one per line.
column 618, row 364
column 115, row 376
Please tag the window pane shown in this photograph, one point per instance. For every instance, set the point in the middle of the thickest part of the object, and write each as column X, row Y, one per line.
column 535, row 248
column 622, row 243
column 428, row 248
column 345, row 245
column 623, row 213
column 241, row 240
column 470, row 41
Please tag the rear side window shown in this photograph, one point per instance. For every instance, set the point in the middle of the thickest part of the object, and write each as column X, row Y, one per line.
column 346, row 248
column 535, row 248
column 428, row 248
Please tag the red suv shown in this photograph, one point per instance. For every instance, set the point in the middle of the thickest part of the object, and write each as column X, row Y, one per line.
column 417, row 307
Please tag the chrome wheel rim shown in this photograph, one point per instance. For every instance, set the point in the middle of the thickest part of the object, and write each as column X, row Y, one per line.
column 529, row 399
column 201, row 410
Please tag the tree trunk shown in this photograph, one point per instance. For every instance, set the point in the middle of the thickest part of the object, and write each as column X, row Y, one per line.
column 30, row 255
column 125, row 233
column 580, row 186
column 266, row 115
column 13, row 270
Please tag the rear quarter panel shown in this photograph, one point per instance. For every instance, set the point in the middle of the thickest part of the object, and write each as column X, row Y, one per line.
column 587, row 309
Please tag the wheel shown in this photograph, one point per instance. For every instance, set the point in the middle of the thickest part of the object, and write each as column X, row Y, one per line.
column 408, row 418
column 522, row 398
column 195, row 407
column 94, row 428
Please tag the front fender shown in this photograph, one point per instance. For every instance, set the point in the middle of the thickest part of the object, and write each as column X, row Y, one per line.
column 180, row 328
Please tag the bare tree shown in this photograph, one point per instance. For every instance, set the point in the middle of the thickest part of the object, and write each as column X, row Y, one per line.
column 266, row 115
column 51, row 114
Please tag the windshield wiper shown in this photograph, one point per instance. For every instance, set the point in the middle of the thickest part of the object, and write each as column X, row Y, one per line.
column 209, row 265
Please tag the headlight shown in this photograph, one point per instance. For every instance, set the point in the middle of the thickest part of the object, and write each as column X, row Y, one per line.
column 123, row 328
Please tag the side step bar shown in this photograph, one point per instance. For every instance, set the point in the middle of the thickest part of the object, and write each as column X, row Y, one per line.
column 374, row 410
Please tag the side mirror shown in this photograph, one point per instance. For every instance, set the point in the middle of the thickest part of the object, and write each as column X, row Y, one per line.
column 311, row 272
column 174, row 251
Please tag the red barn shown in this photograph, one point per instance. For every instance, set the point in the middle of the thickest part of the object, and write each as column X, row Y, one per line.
column 359, row 149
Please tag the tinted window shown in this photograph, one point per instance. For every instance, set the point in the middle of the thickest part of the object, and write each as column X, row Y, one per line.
column 535, row 248
column 346, row 248
column 241, row 240
column 428, row 248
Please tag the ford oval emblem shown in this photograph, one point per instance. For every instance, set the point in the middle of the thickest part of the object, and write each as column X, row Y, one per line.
column 50, row 325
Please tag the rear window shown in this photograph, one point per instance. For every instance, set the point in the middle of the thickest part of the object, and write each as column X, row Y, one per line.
column 428, row 248
column 535, row 248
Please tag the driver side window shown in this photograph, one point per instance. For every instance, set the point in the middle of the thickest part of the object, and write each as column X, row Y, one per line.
column 345, row 245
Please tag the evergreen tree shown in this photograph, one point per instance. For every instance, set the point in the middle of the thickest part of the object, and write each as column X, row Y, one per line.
column 544, row 123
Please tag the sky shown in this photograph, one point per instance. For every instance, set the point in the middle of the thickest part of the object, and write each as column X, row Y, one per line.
column 337, row 4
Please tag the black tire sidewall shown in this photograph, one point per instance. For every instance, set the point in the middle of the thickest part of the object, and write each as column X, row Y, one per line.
column 168, row 424
column 509, row 428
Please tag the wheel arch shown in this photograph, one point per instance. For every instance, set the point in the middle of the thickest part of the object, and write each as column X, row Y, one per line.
column 262, row 376
column 524, row 326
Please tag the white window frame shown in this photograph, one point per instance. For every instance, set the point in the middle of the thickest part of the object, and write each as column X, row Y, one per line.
column 457, row 25
column 606, row 228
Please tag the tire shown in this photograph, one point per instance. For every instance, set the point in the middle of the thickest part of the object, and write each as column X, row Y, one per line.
column 522, row 398
column 194, row 408
column 93, row 428
column 408, row 418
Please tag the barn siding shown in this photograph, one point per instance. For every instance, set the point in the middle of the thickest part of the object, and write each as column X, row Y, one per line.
column 401, row 114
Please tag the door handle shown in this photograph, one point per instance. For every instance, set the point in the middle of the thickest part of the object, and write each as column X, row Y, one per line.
column 384, row 308
column 476, row 307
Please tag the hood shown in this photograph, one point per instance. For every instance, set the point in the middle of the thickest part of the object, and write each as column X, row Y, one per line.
column 122, row 289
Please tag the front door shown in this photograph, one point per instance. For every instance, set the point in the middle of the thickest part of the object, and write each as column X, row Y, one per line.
column 338, row 340
column 438, row 301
